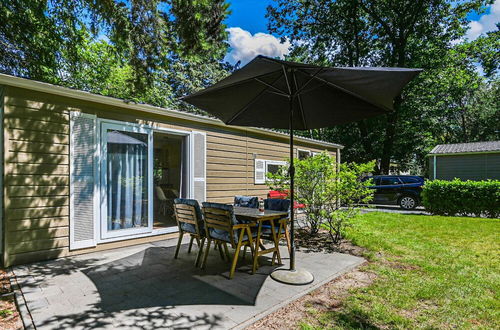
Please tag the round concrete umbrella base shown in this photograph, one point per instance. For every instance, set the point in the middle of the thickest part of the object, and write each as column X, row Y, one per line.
column 293, row 277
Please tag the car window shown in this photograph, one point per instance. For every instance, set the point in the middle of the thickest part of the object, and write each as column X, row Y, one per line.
column 409, row 179
column 388, row 181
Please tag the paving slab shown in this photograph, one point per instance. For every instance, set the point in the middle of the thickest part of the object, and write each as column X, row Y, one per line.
column 144, row 287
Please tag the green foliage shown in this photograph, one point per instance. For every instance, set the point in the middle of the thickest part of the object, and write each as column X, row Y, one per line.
column 139, row 50
column 449, row 102
column 323, row 186
column 464, row 198
column 6, row 312
column 350, row 191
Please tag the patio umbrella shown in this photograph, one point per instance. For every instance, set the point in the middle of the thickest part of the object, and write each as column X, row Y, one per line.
column 272, row 93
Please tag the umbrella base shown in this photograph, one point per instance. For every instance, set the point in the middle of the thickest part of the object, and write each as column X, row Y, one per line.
column 292, row 277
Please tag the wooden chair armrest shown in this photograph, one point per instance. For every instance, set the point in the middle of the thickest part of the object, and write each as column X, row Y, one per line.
column 243, row 225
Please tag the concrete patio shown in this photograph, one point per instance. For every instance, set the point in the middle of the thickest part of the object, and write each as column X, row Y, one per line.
column 144, row 287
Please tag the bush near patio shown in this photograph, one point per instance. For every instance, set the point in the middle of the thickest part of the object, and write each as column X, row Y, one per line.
column 329, row 191
column 477, row 198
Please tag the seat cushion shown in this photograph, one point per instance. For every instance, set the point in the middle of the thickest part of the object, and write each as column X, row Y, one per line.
column 224, row 235
column 199, row 215
column 266, row 229
column 246, row 201
column 189, row 228
column 275, row 204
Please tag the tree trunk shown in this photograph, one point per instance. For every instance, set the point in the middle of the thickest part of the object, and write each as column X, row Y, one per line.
column 392, row 118
column 464, row 127
column 366, row 143
column 390, row 135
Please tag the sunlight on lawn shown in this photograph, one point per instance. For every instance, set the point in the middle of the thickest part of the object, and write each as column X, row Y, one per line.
column 437, row 272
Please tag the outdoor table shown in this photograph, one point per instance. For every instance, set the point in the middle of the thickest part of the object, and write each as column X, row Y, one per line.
column 253, row 215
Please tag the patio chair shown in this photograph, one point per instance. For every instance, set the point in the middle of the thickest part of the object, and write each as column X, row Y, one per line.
column 282, row 226
column 190, row 221
column 246, row 201
column 223, row 228
column 162, row 200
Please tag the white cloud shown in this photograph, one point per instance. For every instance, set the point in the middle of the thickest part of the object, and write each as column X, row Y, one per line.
column 485, row 23
column 245, row 46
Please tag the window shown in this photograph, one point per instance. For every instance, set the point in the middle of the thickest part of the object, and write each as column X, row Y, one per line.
column 272, row 167
column 407, row 179
column 303, row 154
column 262, row 167
column 389, row 181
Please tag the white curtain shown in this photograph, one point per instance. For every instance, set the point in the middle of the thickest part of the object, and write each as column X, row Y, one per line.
column 127, row 189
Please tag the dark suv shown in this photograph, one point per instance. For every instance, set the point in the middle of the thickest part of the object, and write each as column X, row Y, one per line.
column 402, row 190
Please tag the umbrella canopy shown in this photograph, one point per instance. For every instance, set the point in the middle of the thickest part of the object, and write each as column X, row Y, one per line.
column 258, row 94
column 271, row 93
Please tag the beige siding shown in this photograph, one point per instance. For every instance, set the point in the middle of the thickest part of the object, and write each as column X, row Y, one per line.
column 36, row 183
column 36, row 178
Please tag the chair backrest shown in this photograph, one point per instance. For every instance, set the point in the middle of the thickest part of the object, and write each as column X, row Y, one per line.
column 187, row 211
column 277, row 204
column 220, row 218
column 171, row 193
column 160, row 194
column 246, row 201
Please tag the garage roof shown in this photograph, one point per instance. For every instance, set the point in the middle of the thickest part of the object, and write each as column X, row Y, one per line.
column 473, row 147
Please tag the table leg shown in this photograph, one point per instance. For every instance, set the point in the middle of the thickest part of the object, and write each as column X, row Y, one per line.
column 276, row 243
column 256, row 254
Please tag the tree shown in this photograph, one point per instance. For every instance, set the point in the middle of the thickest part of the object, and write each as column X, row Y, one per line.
column 138, row 43
column 329, row 191
column 406, row 33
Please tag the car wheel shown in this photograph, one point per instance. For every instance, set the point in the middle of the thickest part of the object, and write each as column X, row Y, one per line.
column 408, row 202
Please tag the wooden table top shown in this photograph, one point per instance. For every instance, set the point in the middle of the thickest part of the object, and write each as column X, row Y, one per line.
column 253, row 214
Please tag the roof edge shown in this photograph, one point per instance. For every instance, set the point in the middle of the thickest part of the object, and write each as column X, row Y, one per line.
column 44, row 87
column 463, row 153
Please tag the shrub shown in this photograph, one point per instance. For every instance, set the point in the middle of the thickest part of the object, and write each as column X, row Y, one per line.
column 466, row 198
column 323, row 188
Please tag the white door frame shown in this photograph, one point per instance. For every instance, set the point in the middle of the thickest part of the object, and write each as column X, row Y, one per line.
column 188, row 159
column 106, row 234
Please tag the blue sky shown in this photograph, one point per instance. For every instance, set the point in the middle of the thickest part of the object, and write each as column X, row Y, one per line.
column 249, row 37
column 249, row 15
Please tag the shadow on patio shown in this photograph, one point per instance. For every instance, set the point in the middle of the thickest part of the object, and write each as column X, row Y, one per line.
column 147, row 289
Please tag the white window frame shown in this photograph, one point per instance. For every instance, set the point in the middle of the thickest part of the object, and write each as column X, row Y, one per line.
column 266, row 163
column 304, row 151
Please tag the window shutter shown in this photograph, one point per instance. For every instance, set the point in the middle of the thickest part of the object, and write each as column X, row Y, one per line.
column 260, row 171
column 199, row 170
column 83, row 178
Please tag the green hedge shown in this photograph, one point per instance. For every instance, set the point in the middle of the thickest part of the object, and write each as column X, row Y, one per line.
column 467, row 198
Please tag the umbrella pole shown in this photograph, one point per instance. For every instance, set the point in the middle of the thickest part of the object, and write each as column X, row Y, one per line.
column 292, row 192
column 292, row 276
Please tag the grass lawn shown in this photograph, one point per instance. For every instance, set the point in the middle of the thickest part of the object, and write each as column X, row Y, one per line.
column 432, row 272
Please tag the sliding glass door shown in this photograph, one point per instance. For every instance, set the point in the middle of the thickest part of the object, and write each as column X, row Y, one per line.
column 126, row 180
